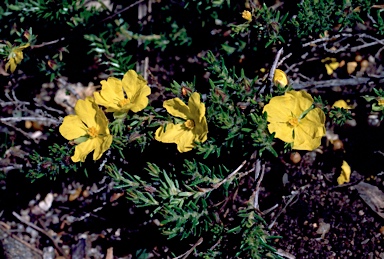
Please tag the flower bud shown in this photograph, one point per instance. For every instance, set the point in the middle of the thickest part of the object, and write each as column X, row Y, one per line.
column 247, row 15
column 280, row 78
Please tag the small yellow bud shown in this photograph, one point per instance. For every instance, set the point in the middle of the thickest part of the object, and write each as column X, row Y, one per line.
column 280, row 78
column 247, row 15
column 341, row 104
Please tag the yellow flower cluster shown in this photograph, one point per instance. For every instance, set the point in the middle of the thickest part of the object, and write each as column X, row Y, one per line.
column 294, row 120
column 15, row 57
column 89, row 126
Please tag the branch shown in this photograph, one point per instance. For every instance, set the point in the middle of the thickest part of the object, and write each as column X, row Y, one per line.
column 274, row 66
column 42, row 119
column 331, row 83
column 59, row 249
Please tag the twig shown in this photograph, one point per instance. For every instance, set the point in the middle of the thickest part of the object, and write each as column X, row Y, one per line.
column 121, row 11
column 281, row 252
column 257, row 188
column 59, row 249
column 186, row 254
column 293, row 196
column 283, row 59
column 344, row 48
column 265, row 212
column 29, row 118
column 331, row 83
column 47, row 43
column 230, row 176
column 19, row 130
column 274, row 65
column 5, row 228
column 10, row 167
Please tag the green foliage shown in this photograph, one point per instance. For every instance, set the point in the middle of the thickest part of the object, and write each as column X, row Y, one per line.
column 267, row 26
column 52, row 165
column 339, row 115
column 378, row 105
column 379, row 25
column 195, row 194
column 316, row 17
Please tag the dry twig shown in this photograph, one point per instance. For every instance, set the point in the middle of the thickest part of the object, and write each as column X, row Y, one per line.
column 58, row 248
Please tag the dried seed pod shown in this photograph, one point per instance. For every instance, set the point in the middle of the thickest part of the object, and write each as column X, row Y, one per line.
column 295, row 157
column 338, row 144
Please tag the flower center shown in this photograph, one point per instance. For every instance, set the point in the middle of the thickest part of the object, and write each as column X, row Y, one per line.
column 124, row 102
column 293, row 122
column 190, row 124
column 93, row 132
column 381, row 101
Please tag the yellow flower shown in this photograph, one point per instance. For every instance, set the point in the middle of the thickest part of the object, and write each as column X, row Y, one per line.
column 121, row 96
column 345, row 174
column 88, row 128
column 247, row 15
column 380, row 101
column 291, row 118
column 15, row 57
column 330, row 66
column 194, row 129
column 280, row 78
column 341, row 104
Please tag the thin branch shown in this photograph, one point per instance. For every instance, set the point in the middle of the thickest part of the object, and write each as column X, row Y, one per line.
column 19, row 130
column 186, row 254
column 292, row 197
column 283, row 59
column 122, row 10
column 6, row 169
column 47, row 43
column 29, row 118
column 229, row 177
column 331, row 83
column 59, row 249
column 257, row 188
column 274, row 65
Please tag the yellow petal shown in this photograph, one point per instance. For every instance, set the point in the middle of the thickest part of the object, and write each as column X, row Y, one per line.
column 201, row 130
column 83, row 149
column 303, row 101
column 169, row 133
column 280, row 78
column 110, row 95
column 305, row 141
column 101, row 145
column 345, row 174
column 101, row 121
column 186, row 141
column 177, row 108
column 72, row 127
column 282, row 131
column 136, row 89
column 310, row 130
column 86, row 111
column 331, row 66
column 334, row 65
column 196, row 108
column 341, row 104
column 247, row 15
column 291, row 103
